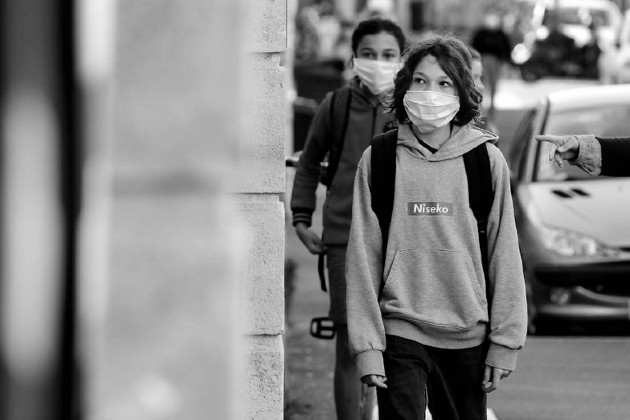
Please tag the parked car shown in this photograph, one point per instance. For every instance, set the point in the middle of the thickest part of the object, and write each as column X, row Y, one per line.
column 574, row 229
column 574, row 16
column 592, row 25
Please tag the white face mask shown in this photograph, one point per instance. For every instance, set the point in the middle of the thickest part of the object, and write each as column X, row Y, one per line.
column 378, row 76
column 429, row 110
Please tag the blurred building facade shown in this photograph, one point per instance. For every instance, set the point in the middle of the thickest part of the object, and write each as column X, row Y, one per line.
column 418, row 16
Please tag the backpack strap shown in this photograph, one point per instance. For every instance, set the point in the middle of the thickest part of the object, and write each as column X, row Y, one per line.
column 339, row 114
column 481, row 196
column 340, row 102
column 382, row 182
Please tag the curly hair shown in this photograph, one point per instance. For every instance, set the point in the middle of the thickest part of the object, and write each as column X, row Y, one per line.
column 454, row 58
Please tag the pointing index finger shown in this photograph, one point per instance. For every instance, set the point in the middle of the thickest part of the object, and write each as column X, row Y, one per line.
column 557, row 140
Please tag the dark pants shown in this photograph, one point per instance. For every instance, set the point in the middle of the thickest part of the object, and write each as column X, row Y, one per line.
column 452, row 379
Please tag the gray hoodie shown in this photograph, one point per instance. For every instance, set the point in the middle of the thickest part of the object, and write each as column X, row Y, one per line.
column 434, row 291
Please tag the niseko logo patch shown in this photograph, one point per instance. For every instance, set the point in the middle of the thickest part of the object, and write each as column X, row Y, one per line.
column 415, row 208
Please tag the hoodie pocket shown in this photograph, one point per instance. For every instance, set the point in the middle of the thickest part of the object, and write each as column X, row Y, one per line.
column 434, row 287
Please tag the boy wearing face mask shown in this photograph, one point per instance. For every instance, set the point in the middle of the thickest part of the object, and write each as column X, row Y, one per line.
column 376, row 46
column 419, row 319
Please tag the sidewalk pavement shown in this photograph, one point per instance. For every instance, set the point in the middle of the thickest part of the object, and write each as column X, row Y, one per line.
column 308, row 361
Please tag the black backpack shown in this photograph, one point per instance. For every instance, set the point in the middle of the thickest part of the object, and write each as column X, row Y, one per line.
column 383, row 178
column 339, row 112
column 340, row 100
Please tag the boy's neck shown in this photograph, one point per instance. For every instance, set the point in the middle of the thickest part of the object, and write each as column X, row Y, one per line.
column 435, row 138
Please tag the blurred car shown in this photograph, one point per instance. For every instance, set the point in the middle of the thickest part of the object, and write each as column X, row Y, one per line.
column 574, row 229
column 592, row 25
column 575, row 16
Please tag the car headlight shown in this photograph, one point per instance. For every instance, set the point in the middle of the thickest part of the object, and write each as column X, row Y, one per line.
column 542, row 33
column 520, row 54
column 573, row 244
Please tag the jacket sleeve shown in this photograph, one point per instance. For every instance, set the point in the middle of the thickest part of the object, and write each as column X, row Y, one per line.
column 508, row 317
column 363, row 278
column 615, row 156
column 605, row 156
column 589, row 158
column 308, row 171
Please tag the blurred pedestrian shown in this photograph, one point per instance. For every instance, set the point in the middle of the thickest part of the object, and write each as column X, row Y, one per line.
column 420, row 316
column 342, row 128
column 594, row 155
column 307, row 42
column 558, row 48
column 477, row 72
column 589, row 54
column 494, row 46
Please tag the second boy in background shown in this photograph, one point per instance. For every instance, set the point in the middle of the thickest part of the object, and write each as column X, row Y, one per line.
column 345, row 122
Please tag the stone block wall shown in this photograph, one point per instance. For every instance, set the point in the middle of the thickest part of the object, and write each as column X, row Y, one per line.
column 191, row 309
column 260, row 206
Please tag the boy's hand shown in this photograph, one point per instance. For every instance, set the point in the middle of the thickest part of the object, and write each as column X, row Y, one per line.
column 311, row 241
column 375, row 380
column 492, row 376
column 562, row 147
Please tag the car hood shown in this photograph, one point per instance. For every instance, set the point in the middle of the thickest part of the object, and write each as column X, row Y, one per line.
column 597, row 208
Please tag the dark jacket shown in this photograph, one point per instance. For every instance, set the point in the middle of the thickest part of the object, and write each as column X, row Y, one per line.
column 492, row 42
column 615, row 156
column 366, row 119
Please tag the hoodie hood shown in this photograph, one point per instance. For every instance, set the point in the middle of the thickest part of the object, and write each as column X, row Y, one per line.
column 363, row 94
column 463, row 139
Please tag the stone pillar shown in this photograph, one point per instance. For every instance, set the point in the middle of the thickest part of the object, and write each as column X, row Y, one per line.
column 260, row 205
column 183, row 236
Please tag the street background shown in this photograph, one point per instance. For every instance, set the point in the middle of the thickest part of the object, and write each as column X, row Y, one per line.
column 582, row 376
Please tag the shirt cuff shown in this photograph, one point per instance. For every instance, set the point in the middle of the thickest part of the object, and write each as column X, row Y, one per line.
column 370, row 363
column 302, row 218
column 501, row 357
column 589, row 157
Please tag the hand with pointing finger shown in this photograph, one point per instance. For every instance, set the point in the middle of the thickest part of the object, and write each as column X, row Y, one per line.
column 562, row 147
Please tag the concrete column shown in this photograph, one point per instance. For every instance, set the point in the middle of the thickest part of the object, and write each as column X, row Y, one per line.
column 259, row 201
column 189, row 317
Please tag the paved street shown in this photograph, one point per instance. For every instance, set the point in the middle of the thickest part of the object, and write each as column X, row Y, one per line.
column 578, row 377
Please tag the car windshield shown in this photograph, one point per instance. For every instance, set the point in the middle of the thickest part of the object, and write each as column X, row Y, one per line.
column 577, row 16
column 611, row 121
